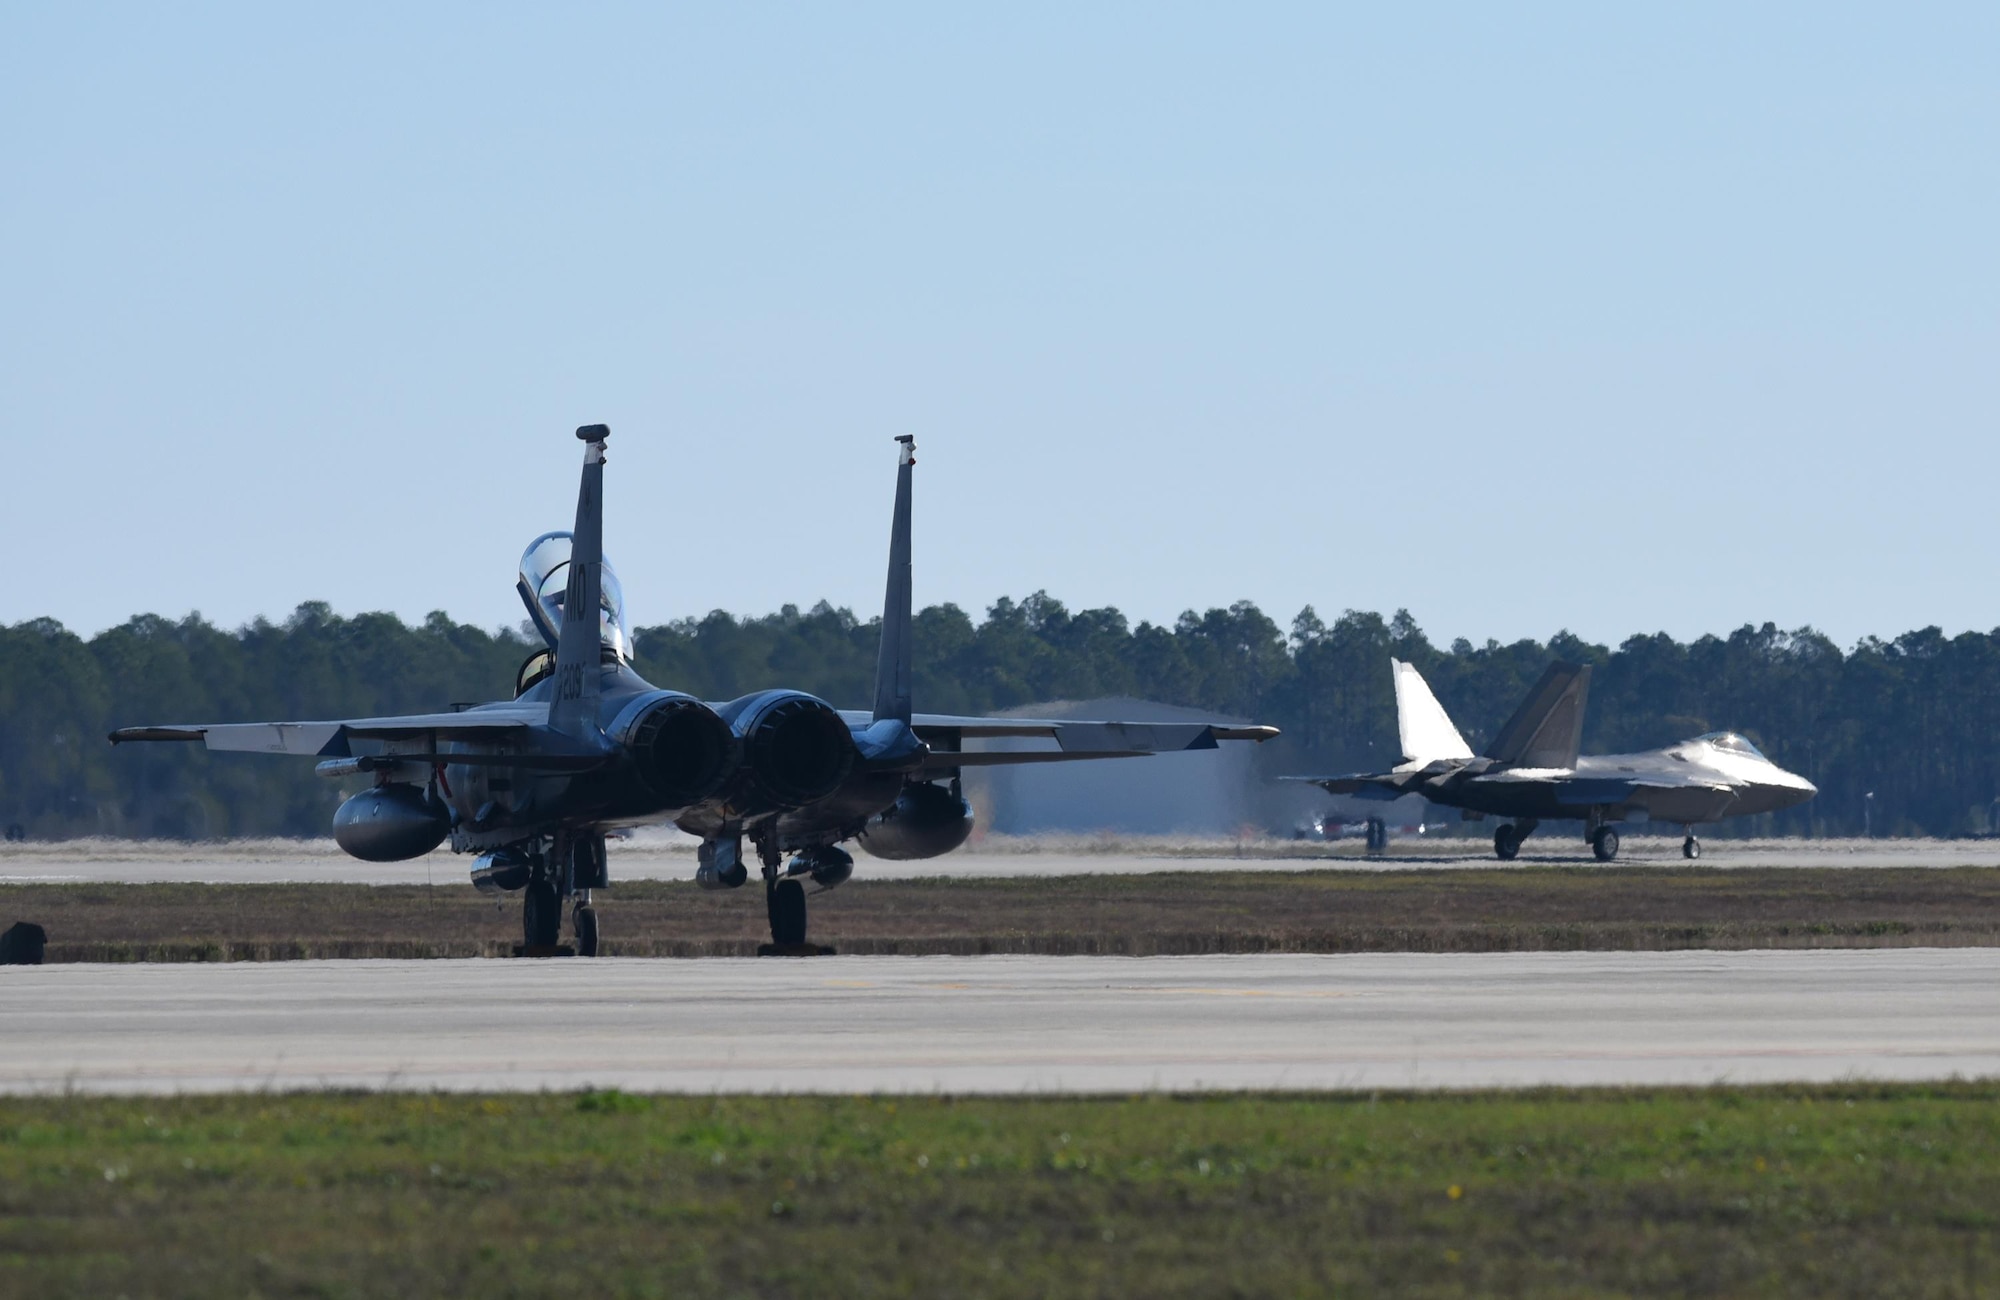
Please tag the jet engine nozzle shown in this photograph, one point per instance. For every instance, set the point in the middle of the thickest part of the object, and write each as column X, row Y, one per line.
column 796, row 749
column 682, row 749
column 390, row 823
column 926, row 821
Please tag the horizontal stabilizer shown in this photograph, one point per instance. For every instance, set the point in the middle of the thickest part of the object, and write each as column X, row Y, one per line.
column 329, row 739
column 942, row 761
column 1144, row 737
column 1367, row 785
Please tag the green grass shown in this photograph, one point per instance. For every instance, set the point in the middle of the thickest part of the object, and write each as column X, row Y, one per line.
column 1822, row 1191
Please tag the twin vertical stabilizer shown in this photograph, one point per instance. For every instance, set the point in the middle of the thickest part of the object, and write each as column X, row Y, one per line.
column 1547, row 730
column 892, row 663
column 1421, row 722
column 579, row 648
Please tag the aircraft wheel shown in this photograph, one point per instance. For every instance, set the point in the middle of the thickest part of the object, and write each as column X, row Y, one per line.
column 585, row 921
column 1690, row 847
column 788, row 914
column 541, row 915
column 1604, row 844
column 1506, row 843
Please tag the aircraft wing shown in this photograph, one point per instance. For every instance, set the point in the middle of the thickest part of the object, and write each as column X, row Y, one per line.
column 1621, row 789
column 329, row 739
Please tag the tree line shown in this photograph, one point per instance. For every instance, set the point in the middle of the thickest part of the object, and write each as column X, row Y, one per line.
column 1913, row 721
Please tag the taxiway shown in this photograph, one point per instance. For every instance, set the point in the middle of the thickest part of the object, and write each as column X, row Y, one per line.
column 1005, row 1024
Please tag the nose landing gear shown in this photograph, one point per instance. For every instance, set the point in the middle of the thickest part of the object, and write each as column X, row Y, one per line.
column 1690, row 847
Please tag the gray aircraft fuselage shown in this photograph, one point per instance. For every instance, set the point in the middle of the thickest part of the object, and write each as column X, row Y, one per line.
column 1532, row 772
column 1694, row 782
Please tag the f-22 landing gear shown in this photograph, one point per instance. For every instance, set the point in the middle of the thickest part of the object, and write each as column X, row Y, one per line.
column 1507, row 837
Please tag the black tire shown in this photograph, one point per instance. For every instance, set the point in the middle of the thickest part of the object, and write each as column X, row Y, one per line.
column 541, row 915
column 1604, row 844
column 586, row 931
column 587, row 863
column 788, row 914
column 1506, row 843
column 1690, row 848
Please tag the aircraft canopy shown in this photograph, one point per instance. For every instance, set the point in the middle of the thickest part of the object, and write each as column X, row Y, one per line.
column 545, row 581
column 1730, row 742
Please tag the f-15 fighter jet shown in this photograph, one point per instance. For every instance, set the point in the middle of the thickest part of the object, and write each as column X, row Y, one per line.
column 532, row 784
column 1531, row 772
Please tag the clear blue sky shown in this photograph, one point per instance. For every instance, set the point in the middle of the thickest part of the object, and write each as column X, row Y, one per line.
column 1614, row 318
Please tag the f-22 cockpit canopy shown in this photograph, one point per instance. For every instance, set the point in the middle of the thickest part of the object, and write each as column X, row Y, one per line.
column 545, row 581
column 1731, row 743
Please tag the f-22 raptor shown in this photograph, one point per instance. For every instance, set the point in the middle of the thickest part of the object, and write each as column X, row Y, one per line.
column 587, row 746
column 1532, row 772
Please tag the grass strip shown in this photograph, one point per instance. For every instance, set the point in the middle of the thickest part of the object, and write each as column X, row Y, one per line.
column 1520, row 909
column 1765, row 1191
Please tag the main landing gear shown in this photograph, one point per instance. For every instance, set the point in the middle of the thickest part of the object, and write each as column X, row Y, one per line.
column 1604, row 843
column 1507, row 837
column 785, row 896
column 785, row 901
column 574, row 866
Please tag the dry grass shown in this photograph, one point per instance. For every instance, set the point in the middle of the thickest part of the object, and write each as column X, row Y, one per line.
column 1473, row 910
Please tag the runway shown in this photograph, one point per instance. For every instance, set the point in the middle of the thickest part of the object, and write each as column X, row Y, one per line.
column 1007, row 1024
column 656, row 856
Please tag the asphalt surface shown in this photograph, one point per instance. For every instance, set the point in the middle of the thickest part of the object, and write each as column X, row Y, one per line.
column 659, row 858
column 1007, row 1024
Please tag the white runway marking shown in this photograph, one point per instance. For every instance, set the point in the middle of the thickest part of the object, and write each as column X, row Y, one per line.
column 1007, row 1024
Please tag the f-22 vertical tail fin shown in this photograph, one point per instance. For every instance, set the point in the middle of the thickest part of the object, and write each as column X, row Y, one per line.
column 580, row 646
column 1548, row 727
column 892, row 662
column 1421, row 723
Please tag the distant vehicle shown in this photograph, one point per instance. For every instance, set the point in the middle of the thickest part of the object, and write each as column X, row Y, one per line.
column 1531, row 772
column 587, row 747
